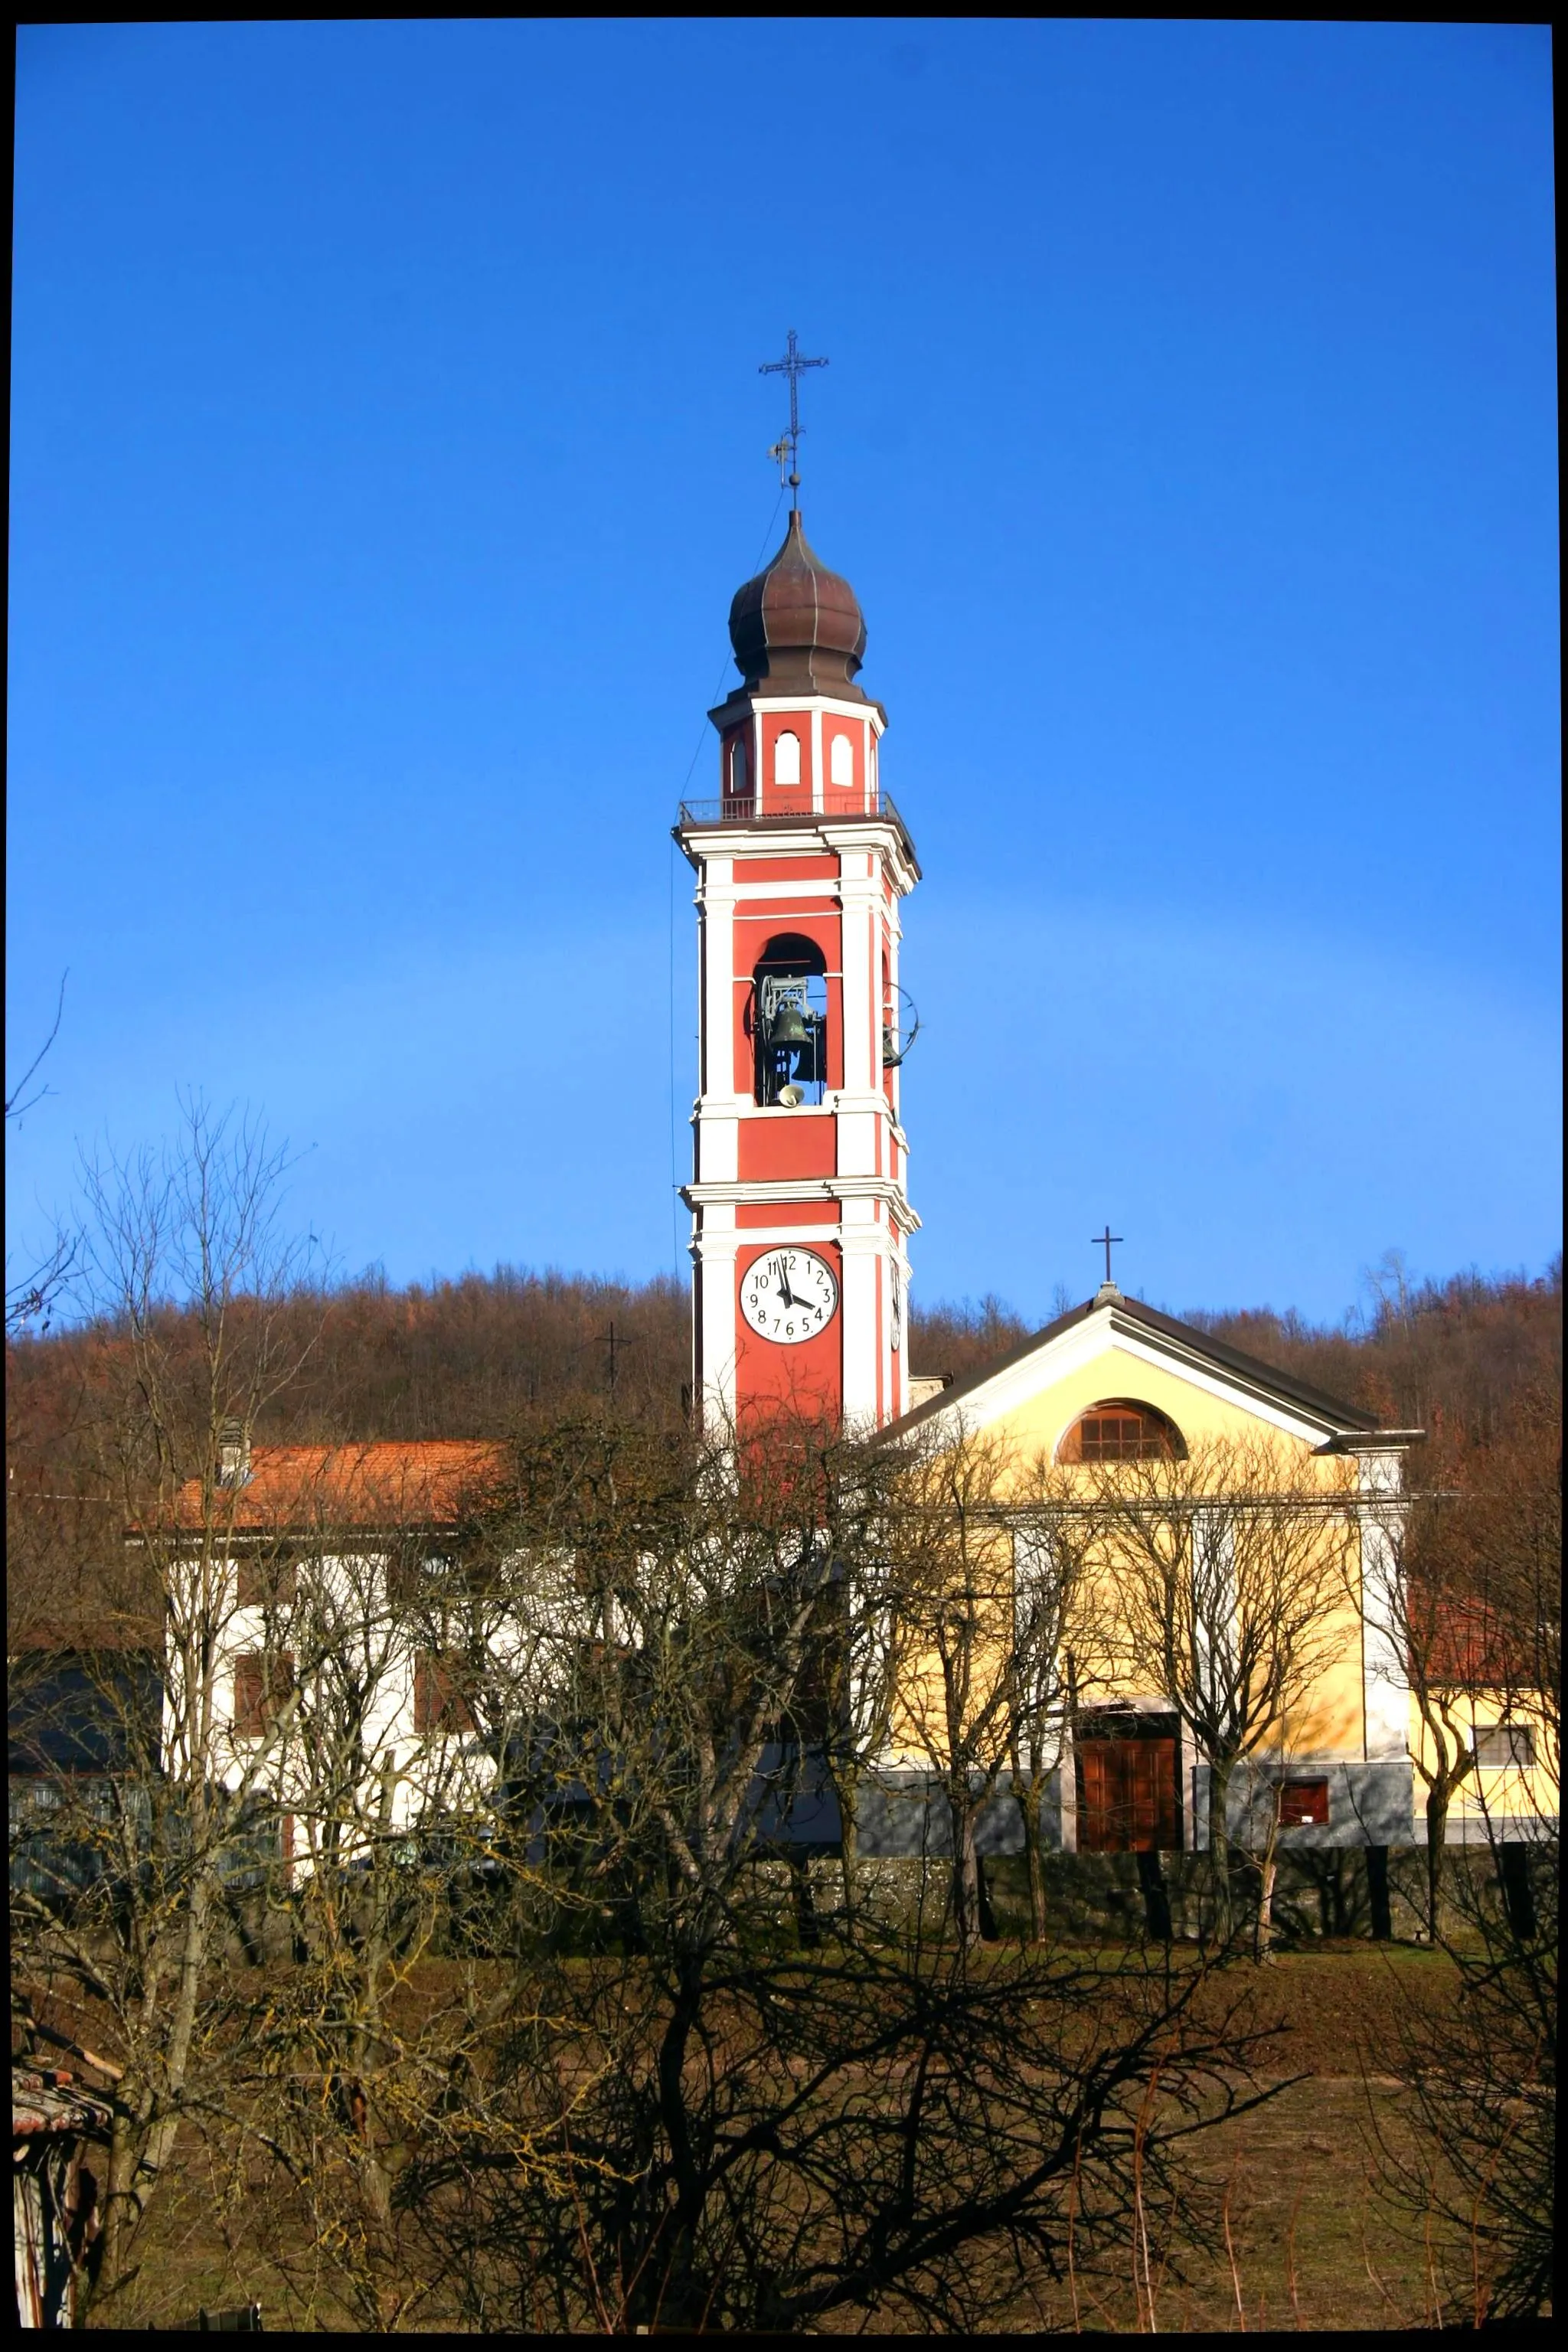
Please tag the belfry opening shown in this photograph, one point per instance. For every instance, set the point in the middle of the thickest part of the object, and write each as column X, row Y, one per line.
column 789, row 1022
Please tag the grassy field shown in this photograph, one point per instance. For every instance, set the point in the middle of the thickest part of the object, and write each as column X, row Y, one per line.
column 1304, row 2239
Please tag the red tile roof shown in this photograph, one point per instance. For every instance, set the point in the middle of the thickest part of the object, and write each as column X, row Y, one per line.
column 398, row 1483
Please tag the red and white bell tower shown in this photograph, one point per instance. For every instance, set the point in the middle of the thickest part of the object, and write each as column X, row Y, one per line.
column 800, row 1213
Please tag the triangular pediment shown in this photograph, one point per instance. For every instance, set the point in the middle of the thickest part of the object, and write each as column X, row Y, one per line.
column 1116, row 1348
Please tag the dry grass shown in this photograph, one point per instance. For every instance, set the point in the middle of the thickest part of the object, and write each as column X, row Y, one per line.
column 1304, row 2239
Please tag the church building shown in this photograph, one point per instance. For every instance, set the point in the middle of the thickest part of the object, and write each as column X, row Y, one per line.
column 802, row 1221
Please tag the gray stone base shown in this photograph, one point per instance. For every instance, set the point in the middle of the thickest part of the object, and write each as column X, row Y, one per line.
column 907, row 1814
column 1369, row 1804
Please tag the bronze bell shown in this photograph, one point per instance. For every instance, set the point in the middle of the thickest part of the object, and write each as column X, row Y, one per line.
column 787, row 1029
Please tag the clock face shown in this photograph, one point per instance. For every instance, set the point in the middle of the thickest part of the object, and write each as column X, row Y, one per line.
column 897, row 1317
column 789, row 1295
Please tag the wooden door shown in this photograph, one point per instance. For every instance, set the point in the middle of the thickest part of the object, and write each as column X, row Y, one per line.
column 1127, row 1796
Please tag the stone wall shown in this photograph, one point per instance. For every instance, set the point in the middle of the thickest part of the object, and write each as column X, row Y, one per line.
column 1320, row 1893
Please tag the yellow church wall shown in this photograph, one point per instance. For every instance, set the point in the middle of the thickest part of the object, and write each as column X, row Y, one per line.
column 1495, row 1792
column 920, row 1731
column 1332, row 1724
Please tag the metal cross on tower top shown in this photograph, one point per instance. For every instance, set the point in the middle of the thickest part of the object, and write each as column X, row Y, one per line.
column 1103, row 1241
column 791, row 366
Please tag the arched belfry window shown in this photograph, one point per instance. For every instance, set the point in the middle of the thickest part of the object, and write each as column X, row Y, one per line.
column 789, row 1022
column 786, row 758
column 1122, row 1428
column 841, row 761
column 740, row 771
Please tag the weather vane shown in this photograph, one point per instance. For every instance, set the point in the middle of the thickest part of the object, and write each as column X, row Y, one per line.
column 791, row 365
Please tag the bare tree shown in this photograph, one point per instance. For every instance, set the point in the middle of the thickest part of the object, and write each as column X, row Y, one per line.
column 876, row 2129
column 753, row 2128
column 1468, row 1605
column 1053, row 1547
column 1483, row 2070
column 987, row 1554
column 366, row 1640
column 860, row 1664
column 952, row 1540
column 1421, row 1613
column 637, row 2099
column 1227, row 1570
column 29, row 1297
column 167, row 1819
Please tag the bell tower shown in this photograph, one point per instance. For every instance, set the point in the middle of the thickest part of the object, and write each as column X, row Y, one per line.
column 800, row 1213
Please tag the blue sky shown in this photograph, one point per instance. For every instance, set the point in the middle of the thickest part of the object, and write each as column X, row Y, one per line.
column 387, row 443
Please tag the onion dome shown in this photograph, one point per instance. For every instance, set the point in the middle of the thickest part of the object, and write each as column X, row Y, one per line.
column 797, row 627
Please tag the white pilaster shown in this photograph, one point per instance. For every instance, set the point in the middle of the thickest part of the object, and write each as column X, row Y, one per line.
column 864, row 1249
column 1385, row 1680
column 716, row 1248
column 718, row 1153
column 1067, row 1790
column 856, row 1142
column 716, row 898
column 860, row 891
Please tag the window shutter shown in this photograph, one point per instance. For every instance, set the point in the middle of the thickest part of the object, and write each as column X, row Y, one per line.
column 1303, row 1804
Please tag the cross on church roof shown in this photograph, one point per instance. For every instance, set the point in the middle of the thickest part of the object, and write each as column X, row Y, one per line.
column 791, row 367
column 1103, row 1241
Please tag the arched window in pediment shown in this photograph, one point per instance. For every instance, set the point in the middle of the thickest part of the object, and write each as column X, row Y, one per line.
column 1122, row 1428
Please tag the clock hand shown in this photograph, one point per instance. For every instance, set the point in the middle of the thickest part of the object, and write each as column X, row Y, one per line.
column 784, row 1281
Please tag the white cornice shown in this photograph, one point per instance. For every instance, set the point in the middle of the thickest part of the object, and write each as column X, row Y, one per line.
column 874, row 1241
column 1162, row 1349
column 775, row 837
column 758, row 1193
column 866, row 713
column 840, row 1103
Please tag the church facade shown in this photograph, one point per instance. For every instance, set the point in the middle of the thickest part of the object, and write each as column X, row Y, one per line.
column 1142, row 1431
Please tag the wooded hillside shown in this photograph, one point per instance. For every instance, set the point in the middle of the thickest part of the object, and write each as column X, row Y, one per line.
column 480, row 1355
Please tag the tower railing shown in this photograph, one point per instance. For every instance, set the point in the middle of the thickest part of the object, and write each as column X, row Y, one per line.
column 872, row 807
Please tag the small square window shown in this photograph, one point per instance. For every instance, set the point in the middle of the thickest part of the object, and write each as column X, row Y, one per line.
column 415, row 1574
column 267, row 1579
column 261, row 1683
column 439, row 1704
column 1502, row 1744
column 1303, row 1804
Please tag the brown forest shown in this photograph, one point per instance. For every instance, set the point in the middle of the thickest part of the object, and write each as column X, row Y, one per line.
column 485, row 1354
